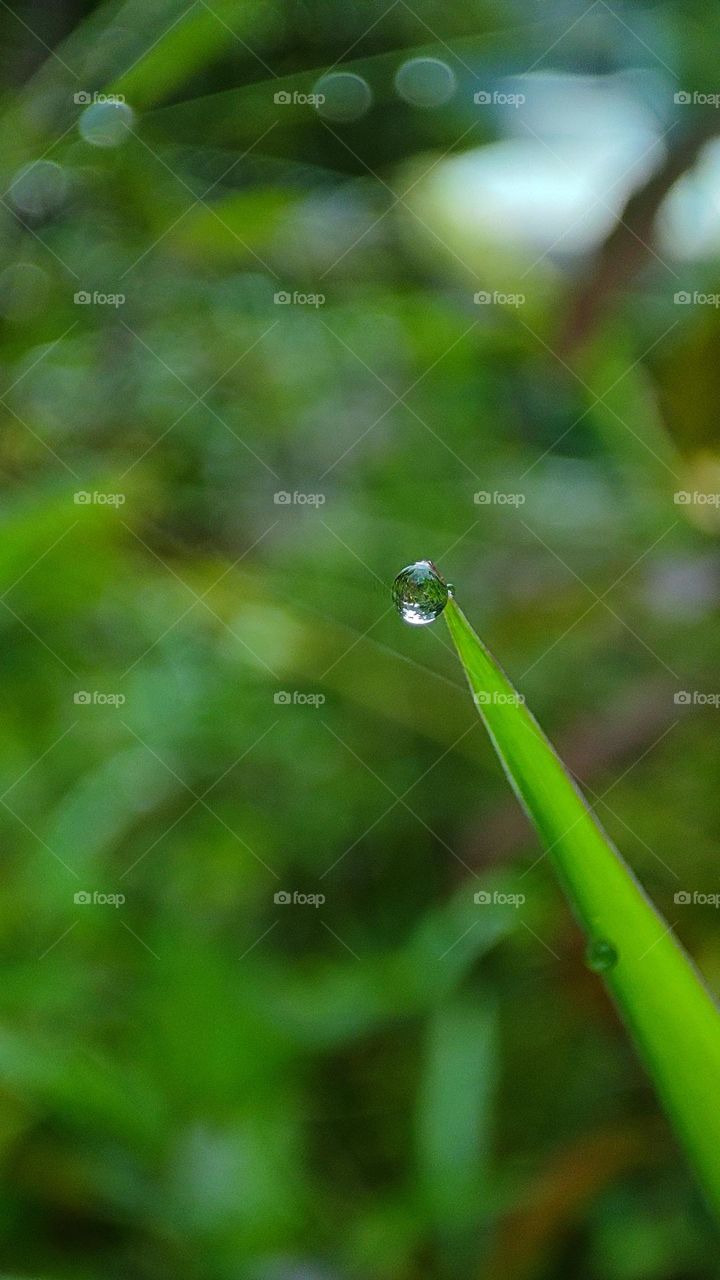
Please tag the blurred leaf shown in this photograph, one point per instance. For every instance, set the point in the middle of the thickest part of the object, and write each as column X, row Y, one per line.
column 455, row 1110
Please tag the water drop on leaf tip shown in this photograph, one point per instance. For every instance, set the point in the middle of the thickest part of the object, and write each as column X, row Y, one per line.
column 420, row 593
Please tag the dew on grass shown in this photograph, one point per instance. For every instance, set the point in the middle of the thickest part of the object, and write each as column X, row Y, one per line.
column 106, row 124
column 601, row 956
column 425, row 82
column 342, row 96
column 420, row 593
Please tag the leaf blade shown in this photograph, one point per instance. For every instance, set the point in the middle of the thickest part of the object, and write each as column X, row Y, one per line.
column 669, row 1011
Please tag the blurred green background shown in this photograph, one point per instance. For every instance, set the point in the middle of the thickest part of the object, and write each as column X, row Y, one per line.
column 325, row 288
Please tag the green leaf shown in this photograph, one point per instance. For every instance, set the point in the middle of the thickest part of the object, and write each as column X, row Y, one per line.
column 671, row 1015
column 455, row 1113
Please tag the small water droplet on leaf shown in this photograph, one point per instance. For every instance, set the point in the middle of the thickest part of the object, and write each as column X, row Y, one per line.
column 420, row 593
column 601, row 956
column 106, row 124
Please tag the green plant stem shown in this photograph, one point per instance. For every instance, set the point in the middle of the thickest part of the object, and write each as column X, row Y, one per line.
column 669, row 1011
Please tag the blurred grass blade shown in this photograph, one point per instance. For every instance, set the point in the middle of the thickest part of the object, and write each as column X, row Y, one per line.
column 670, row 1013
column 456, row 1105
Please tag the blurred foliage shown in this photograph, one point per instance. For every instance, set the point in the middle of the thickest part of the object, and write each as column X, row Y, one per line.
column 399, row 1082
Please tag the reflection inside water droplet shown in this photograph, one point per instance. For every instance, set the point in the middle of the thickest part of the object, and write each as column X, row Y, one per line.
column 420, row 593
column 601, row 956
column 106, row 124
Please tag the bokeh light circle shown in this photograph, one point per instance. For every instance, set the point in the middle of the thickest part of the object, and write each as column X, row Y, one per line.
column 38, row 188
column 425, row 82
column 345, row 96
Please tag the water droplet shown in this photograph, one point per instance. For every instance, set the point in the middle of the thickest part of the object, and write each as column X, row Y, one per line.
column 106, row 124
column 425, row 82
column 38, row 188
column 344, row 95
column 420, row 593
column 601, row 956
